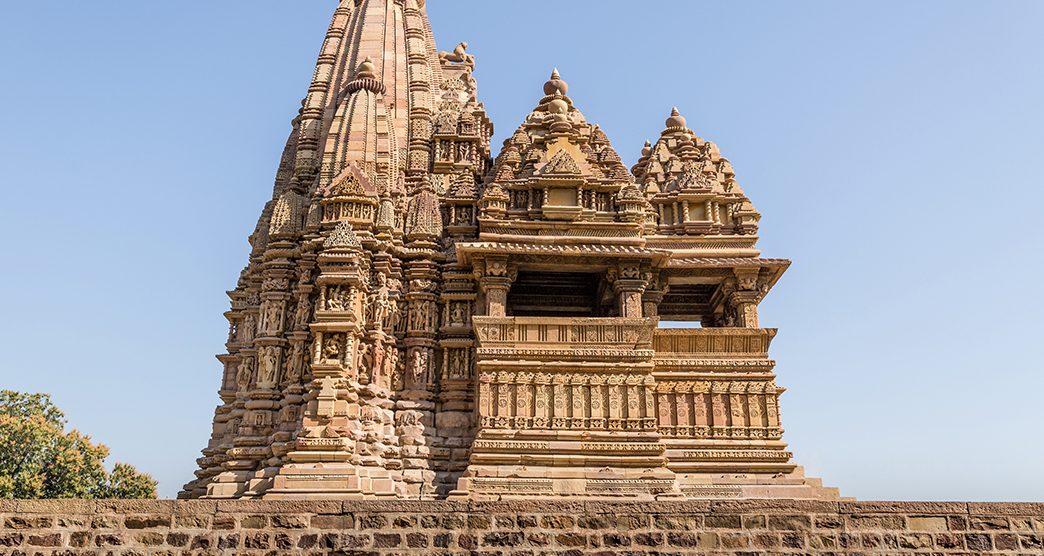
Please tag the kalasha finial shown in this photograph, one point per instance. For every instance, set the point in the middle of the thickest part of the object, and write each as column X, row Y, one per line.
column 558, row 105
column 556, row 84
column 647, row 149
column 366, row 78
column 366, row 69
column 676, row 121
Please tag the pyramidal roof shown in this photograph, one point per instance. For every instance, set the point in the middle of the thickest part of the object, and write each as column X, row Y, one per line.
column 556, row 140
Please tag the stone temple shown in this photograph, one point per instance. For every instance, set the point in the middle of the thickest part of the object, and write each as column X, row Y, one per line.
column 422, row 320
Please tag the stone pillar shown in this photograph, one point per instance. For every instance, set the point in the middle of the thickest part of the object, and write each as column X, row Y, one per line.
column 415, row 408
column 629, row 284
column 746, row 297
column 652, row 295
column 496, row 279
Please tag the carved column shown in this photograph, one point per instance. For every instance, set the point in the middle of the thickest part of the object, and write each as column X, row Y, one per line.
column 653, row 294
column 415, row 407
column 745, row 300
column 496, row 279
column 629, row 284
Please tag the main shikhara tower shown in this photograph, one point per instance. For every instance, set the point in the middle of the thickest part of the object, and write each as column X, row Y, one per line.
column 421, row 320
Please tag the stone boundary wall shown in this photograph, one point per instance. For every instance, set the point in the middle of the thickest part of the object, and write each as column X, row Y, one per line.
column 516, row 528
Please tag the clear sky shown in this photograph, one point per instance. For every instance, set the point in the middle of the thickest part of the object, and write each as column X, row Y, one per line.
column 894, row 149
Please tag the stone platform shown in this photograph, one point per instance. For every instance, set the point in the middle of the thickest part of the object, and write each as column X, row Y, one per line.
column 531, row 528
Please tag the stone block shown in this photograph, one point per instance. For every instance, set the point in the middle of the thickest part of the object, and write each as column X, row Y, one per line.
column 290, row 521
column 417, row 540
column 150, row 538
column 283, row 541
column 558, row 522
column 28, row 522
column 128, row 507
column 922, row 523
column 649, row 539
column 387, row 540
column 876, row 522
column 1032, row 542
column 253, row 521
column 790, row 522
column 108, row 539
column 988, row 523
column 678, row 522
column 257, row 541
column 1006, row 541
column 53, row 507
column 949, row 541
column 714, row 521
column 372, row 521
column 191, row 521
column 872, row 507
column 339, row 522
column 1006, row 508
column 571, row 540
column 177, row 539
column 914, row 541
column 146, row 521
column 733, row 541
column 829, row 522
column 765, row 541
column 978, row 542
column 45, row 540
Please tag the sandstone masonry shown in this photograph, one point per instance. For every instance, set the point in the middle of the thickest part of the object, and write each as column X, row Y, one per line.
column 421, row 319
column 529, row 528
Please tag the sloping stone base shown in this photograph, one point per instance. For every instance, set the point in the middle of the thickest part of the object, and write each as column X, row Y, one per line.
column 530, row 528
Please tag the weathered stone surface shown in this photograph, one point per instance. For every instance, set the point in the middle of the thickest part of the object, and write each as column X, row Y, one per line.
column 416, row 319
column 500, row 528
column 1001, row 508
column 864, row 507
column 936, row 523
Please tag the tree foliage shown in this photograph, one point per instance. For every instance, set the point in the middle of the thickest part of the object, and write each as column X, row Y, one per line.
column 39, row 459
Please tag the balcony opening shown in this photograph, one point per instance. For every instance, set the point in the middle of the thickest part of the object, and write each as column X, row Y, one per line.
column 560, row 294
column 688, row 303
column 679, row 324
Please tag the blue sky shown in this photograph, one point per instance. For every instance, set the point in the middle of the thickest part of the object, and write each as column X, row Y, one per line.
column 894, row 149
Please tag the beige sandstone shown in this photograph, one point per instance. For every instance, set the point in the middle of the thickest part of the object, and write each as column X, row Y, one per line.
column 420, row 320
column 555, row 527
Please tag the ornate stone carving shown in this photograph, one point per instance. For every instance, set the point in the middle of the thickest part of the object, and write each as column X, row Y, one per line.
column 420, row 320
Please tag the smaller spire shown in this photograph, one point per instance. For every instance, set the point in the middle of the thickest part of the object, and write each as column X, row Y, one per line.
column 647, row 149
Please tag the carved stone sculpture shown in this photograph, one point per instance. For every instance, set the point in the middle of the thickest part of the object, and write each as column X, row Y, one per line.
column 419, row 319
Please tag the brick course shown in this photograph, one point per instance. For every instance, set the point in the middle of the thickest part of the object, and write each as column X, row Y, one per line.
column 515, row 528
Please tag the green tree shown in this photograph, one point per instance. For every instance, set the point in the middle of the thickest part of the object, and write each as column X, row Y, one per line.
column 38, row 459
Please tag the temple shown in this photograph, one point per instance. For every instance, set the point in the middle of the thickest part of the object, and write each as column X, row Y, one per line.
column 421, row 320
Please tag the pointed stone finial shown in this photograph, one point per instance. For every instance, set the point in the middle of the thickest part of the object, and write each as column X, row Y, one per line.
column 676, row 121
column 555, row 84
